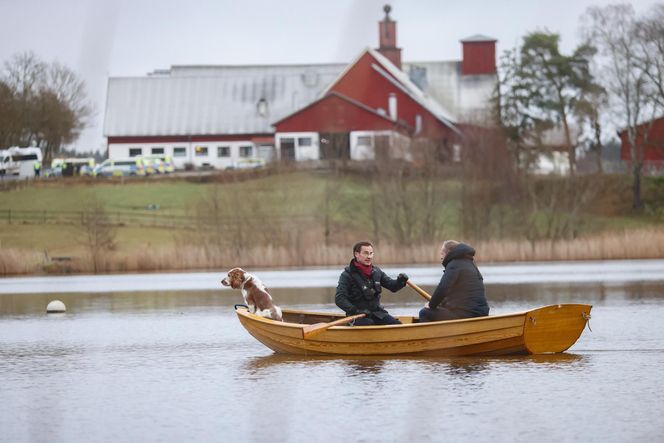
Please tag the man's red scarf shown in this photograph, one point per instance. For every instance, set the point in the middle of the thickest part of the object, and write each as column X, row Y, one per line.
column 366, row 270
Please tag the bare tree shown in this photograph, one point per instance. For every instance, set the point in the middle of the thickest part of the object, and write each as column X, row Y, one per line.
column 489, row 192
column 590, row 114
column 8, row 120
column 650, row 32
column 46, row 104
column 614, row 30
column 98, row 232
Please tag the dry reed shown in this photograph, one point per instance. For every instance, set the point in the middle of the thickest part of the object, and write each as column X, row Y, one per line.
column 16, row 261
column 647, row 243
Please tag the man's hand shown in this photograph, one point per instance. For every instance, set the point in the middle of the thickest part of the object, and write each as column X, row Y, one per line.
column 402, row 278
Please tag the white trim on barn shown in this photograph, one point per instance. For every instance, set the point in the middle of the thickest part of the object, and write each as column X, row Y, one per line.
column 297, row 146
column 363, row 145
column 219, row 154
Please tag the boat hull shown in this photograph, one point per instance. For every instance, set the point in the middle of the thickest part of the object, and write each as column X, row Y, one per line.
column 549, row 329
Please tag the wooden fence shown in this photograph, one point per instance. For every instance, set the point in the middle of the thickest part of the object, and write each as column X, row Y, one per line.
column 146, row 218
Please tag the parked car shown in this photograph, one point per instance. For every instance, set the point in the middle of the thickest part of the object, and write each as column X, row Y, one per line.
column 121, row 167
column 152, row 165
column 162, row 164
column 71, row 166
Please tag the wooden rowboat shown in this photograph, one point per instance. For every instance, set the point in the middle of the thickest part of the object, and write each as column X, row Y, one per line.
column 549, row 329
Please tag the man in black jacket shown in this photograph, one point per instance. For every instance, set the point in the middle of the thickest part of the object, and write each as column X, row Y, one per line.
column 460, row 293
column 360, row 286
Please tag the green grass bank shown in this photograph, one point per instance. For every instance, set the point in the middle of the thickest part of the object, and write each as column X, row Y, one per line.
column 311, row 218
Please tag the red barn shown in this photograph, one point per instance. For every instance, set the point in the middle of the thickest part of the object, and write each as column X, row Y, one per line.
column 650, row 148
column 371, row 106
column 218, row 115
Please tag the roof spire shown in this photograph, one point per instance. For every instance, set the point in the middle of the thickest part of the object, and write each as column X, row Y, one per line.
column 387, row 9
column 387, row 38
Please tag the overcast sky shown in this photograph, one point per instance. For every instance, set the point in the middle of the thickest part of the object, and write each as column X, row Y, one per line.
column 102, row 38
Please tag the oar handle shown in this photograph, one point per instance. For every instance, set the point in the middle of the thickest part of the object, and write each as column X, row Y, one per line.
column 313, row 330
column 419, row 290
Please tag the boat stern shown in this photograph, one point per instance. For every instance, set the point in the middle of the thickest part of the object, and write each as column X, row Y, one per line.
column 554, row 328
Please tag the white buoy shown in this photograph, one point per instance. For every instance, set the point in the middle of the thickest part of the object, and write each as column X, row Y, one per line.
column 55, row 306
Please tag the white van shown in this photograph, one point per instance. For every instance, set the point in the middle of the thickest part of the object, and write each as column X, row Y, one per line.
column 20, row 161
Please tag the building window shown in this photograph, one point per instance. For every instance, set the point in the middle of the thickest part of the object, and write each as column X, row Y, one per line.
column 261, row 107
column 456, row 153
column 364, row 140
column 179, row 152
column 134, row 152
column 157, row 151
column 304, row 141
column 201, row 151
column 245, row 151
column 223, row 151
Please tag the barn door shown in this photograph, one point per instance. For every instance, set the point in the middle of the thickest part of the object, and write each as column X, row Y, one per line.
column 335, row 145
column 382, row 147
column 287, row 148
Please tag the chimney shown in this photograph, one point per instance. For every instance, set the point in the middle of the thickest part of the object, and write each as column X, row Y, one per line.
column 392, row 105
column 387, row 30
column 479, row 55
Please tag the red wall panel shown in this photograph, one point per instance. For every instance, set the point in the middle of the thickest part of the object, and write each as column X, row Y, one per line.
column 654, row 151
column 333, row 114
column 479, row 58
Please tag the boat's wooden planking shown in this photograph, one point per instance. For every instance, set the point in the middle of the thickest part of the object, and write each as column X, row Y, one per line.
column 462, row 337
column 544, row 330
column 554, row 328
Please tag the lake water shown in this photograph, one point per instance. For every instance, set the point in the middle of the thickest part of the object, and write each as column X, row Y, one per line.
column 172, row 366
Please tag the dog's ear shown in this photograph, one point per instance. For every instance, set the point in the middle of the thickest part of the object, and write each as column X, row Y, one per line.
column 236, row 276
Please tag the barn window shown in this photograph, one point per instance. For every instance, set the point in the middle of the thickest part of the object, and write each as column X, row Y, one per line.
column 304, row 141
column 134, row 152
column 245, row 151
column 364, row 140
column 223, row 151
column 157, row 151
column 201, row 151
column 179, row 152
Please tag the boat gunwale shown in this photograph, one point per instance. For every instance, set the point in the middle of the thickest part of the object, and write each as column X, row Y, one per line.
column 256, row 318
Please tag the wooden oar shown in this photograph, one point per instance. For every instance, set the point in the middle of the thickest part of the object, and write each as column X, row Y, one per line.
column 419, row 290
column 310, row 331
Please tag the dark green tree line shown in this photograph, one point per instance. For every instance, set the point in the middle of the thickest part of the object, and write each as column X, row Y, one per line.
column 542, row 90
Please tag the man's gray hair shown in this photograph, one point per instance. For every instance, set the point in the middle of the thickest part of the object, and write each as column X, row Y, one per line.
column 449, row 245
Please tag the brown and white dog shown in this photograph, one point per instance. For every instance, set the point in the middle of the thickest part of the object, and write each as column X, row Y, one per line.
column 254, row 293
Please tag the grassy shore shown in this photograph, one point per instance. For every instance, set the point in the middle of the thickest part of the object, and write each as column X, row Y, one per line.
column 275, row 220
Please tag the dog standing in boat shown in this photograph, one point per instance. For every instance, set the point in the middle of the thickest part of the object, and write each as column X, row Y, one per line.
column 254, row 293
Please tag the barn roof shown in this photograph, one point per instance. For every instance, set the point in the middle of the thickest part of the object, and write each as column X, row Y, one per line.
column 222, row 99
column 400, row 79
column 194, row 100
column 478, row 38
